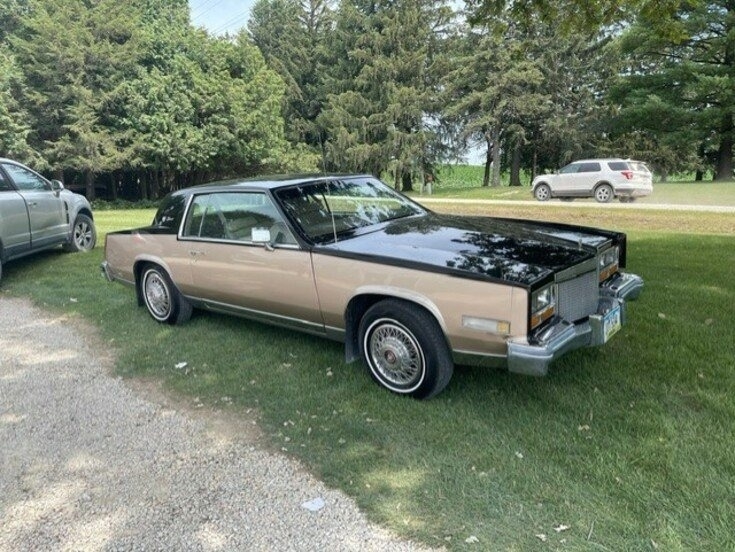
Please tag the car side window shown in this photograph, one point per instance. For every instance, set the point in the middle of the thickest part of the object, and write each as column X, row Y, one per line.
column 589, row 167
column 25, row 179
column 569, row 169
column 618, row 165
column 239, row 216
column 4, row 184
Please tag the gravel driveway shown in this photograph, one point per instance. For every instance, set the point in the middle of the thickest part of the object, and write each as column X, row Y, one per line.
column 87, row 462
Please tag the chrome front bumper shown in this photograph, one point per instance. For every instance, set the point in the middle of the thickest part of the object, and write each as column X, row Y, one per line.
column 534, row 359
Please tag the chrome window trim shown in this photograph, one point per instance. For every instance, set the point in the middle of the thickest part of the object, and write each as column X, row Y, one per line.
column 190, row 200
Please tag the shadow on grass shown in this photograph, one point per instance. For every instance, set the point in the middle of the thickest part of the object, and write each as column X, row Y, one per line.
column 623, row 444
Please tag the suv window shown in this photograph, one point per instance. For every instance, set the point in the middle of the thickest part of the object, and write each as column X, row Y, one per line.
column 589, row 167
column 25, row 179
column 618, row 165
column 569, row 169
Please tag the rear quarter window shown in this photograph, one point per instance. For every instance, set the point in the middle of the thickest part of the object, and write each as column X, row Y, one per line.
column 170, row 212
column 618, row 165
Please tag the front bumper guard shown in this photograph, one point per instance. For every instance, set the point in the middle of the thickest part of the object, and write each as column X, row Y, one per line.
column 562, row 336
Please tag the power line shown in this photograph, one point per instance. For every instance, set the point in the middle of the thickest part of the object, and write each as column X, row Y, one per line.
column 209, row 9
column 200, row 6
column 241, row 18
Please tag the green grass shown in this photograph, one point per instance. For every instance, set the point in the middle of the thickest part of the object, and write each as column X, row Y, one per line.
column 629, row 445
column 465, row 182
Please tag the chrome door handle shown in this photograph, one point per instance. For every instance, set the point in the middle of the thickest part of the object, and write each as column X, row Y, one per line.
column 196, row 253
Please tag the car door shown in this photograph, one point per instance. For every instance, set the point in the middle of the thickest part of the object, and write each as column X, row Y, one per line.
column 15, row 229
column 244, row 259
column 584, row 180
column 563, row 183
column 47, row 212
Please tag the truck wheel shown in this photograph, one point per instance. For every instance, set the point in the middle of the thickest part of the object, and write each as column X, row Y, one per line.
column 404, row 349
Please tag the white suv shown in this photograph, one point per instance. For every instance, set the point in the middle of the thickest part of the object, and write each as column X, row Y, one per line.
column 602, row 179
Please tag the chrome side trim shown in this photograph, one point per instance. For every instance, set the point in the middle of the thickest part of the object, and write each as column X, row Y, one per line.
column 482, row 360
column 260, row 316
column 335, row 334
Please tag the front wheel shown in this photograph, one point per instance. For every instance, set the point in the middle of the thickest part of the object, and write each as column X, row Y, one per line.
column 404, row 349
column 83, row 235
column 163, row 301
column 604, row 193
column 542, row 192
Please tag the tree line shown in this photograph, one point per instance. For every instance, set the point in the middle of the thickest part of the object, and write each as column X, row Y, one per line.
column 129, row 99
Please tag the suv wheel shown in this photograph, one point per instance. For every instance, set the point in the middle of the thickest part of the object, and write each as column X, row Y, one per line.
column 542, row 192
column 84, row 235
column 604, row 193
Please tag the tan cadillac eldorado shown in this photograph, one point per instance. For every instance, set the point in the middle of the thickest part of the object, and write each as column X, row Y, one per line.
column 408, row 291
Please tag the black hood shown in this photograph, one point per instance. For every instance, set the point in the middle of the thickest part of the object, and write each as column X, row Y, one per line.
column 514, row 251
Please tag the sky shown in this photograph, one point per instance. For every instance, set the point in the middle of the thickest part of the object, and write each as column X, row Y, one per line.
column 220, row 16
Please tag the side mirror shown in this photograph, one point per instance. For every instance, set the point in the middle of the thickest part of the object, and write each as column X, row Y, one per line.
column 57, row 185
column 262, row 236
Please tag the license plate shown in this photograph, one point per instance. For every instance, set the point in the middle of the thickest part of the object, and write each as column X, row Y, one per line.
column 611, row 323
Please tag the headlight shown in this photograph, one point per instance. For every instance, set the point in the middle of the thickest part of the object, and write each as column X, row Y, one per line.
column 608, row 263
column 543, row 304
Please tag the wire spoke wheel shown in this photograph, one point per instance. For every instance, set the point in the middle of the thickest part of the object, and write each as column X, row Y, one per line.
column 404, row 349
column 157, row 295
column 395, row 353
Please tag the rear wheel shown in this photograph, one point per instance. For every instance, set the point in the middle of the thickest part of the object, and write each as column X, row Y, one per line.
column 542, row 192
column 404, row 349
column 604, row 193
column 163, row 301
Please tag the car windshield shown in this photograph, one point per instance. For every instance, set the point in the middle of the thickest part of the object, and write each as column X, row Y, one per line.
column 332, row 210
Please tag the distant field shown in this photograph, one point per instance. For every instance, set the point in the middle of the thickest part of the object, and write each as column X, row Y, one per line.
column 465, row 181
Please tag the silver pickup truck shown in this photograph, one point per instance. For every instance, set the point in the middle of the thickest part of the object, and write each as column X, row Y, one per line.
column 38, row 214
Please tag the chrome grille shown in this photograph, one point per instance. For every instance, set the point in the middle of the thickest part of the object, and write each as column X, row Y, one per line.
column 578, row 297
